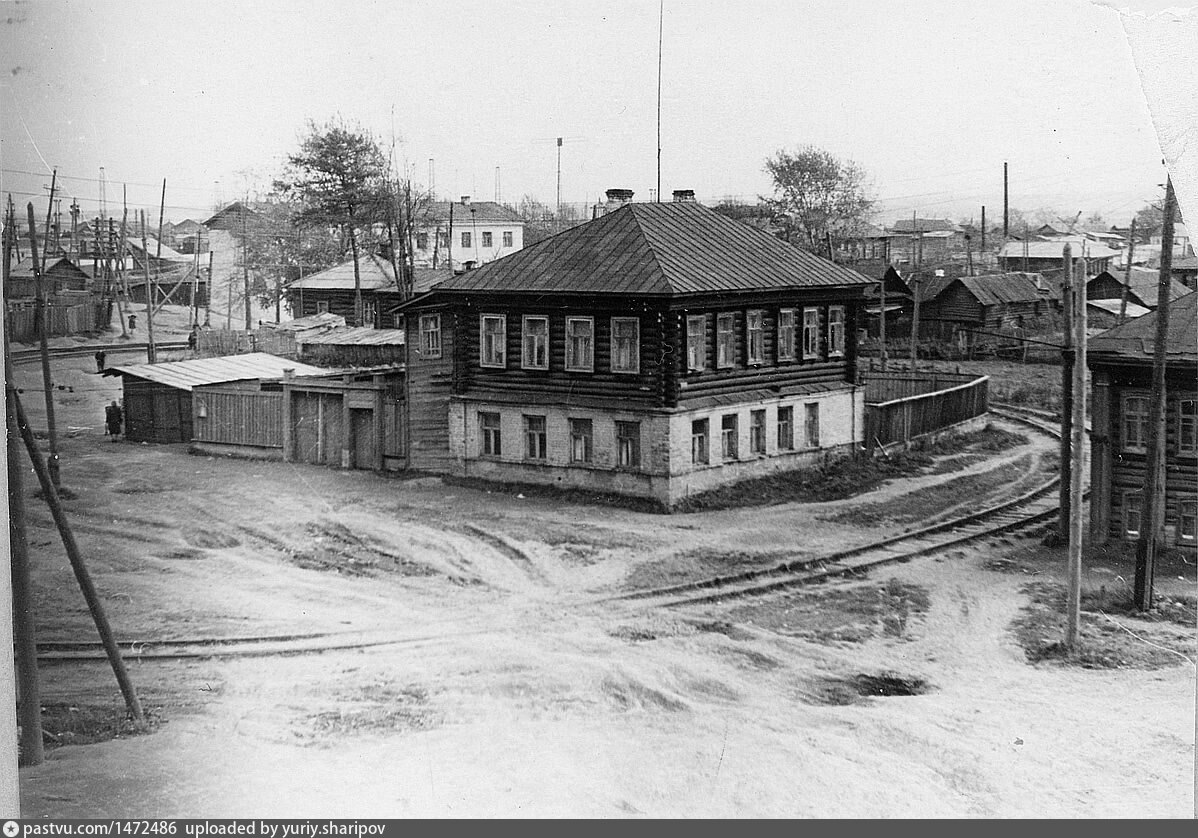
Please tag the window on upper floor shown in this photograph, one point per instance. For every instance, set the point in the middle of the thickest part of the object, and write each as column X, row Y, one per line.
column 1135, row 423
column 696, row 342
column 443, row 239
column 836, row 330
column 492, row 340
column 755, row 336
column 1187, row 426
column 580, row 344
column 430, row 335
column 810, row 333
column 422, row 241
column 486, row 238
column 725, row 339
column 786, row 334
column 369, row 313
column 507, row 238
column 467, row 239
column 536, row 343
column 625, row 344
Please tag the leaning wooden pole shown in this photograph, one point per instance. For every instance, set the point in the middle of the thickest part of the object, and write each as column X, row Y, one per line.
column 1076, row 525
column 1067, row 364
column 43, row 330
column 1153, row 519
column 145, row 249
column 81, row 573
column 29, row 710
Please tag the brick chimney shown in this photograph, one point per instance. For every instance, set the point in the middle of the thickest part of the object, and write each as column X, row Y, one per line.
column 617, row 198
column 465, row 200
column 684, row 196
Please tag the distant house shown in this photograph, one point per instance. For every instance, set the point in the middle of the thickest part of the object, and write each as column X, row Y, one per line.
column 1142, row 286
column 465, row 232
column 189, row 236
column 332, row 290
column 925, row 240
column 1182, row 246
column 972, row 310
column 1185, row 270
column 659, row 350
column 158, row 397
column 235, row 215
column 1104, row 314
column 1120, row 362
column 61, row 275
column 1040, row 256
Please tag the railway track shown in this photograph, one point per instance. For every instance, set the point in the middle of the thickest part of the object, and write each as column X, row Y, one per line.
column 1029, row 511
column 25, row 355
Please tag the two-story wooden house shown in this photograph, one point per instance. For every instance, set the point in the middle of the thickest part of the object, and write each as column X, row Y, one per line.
column 658, row 351
column 1120, row 362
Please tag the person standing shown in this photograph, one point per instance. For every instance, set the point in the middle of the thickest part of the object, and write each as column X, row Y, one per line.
column 100, row 356
column 113, row 419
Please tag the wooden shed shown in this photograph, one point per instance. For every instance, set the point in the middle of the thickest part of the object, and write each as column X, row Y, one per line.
column 973, row 309
column 158, row 397
column 362, row 346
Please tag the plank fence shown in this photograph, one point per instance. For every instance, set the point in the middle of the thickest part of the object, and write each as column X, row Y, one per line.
column 212, row 343
column 61, row 319
column 238, row 417
column 901, row 407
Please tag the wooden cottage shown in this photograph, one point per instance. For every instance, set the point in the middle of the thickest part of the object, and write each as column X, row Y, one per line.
column 60, row 275
column 1142, row 285
column 1120, row 362
column 974, row 310
column 1038, row 256
column 332, row 290
column 158, row 397
column 660, row 350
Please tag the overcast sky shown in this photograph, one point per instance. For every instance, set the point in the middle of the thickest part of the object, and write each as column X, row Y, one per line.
column 929, row 97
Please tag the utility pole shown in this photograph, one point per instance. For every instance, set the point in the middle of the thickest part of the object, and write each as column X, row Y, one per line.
column 145, row 249
column 661, row 20
column 982, row 250
column 559, row 193
column 245, row 274
column 882, row 319
column 1076, row 526
column 152, row 299
column 915, row 308
column 1152, row 521
column 43, row 331
column 1131, row 250
column 29, row 707
column 1006, row 209
column 1067, row 366
column 49, row 212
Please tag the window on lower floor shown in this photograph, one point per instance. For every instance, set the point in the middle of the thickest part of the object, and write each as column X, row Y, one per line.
column 488, row 426
column 1187, row 521
column 1187, row 426
column 581, row 440
column 1135, row 423
column 786, row 428
column 811, row 425
column 369, row 313
column 729, row 433
column 628, row 444
column 699, row 446
column 535, row 439
column 757, row 432
column 322, row 306
column 1133, row 514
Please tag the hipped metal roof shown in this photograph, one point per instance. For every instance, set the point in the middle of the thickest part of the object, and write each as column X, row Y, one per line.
column 656, row 248
column 185, row 375
column 1135, row 340
column 375, row 274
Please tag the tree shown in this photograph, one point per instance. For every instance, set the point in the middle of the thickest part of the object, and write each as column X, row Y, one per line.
column 816, row 194
column 278, row 252
column 540, row 220
column 339, row 179
column 1150, row 220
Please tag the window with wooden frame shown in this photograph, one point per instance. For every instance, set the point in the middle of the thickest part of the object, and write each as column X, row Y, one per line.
column 1187, row 426
column 487, row 238
column 580, row 344
column 581, row 440
column 369, row 313
column 466, row 240
column 699, row 442
column 492, row 346
column 535, row 342
column 430, row 335
column 1135, row 423
column 811, row 425
column 836, row 331
column 757, row 432
column 322, row 306
column 490, row 442
column 625, row 344
column 628, row 444
column 729, row 437
column 422, row 241
column 535, row 438
column 725, row 339
column 1187, row 521
column 1133, row 514
column 755, row 336
column 696, row 342
column 786, row 334
column 810, row 333
column 786, row 428
column 507, row 238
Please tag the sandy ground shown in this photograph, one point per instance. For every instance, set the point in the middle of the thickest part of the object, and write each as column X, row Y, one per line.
column 513, row 684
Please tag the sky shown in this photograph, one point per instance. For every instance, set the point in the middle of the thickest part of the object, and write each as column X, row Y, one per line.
column 930, row 98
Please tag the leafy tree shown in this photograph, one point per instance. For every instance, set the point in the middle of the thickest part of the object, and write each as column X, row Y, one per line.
column 278, row 252
column 541, row 221
column 816, row 193
column 1150, row 221
column 743, row 211
column 338, row 180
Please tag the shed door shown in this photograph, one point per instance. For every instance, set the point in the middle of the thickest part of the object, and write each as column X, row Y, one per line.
column 362, row 429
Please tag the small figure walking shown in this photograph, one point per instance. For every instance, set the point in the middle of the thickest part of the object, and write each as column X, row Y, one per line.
column 100, row 356
column 192, row 337
column 112, row 420
column 132, row 322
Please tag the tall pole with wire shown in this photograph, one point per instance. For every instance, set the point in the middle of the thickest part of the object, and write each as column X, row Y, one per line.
column 661, row 18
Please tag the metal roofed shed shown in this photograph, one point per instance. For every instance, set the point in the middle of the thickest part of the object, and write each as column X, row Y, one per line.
column 157, row 397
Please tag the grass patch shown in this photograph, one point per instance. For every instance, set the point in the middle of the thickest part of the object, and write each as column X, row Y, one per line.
column 66, row 724
column 701, row 563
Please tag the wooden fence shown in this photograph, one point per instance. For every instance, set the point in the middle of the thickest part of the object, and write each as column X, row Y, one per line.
column 899, row 384
column 61, row 319
column 212, row 343
column 237, row 417
column 907, row 417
